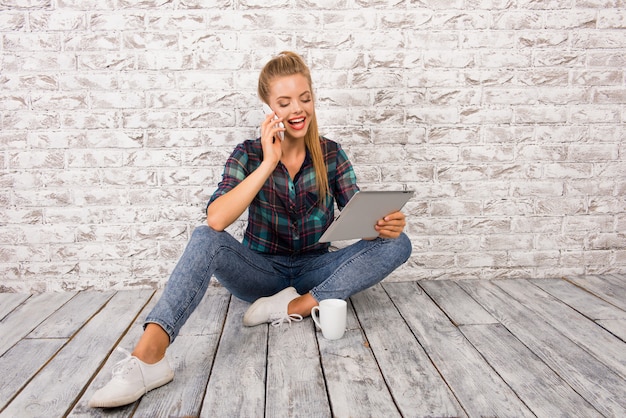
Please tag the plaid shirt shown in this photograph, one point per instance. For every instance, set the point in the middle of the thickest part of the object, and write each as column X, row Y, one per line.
column 285, row 216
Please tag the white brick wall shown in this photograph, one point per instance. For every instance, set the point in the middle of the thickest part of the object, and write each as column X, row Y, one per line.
column 507, row 118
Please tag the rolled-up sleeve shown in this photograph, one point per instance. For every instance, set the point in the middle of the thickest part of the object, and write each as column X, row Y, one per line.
column 345, row 179
column 235, row 170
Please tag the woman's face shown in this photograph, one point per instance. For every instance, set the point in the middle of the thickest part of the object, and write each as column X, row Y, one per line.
column 291, row 98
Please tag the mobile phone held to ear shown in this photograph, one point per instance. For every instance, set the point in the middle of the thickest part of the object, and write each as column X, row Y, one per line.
column 266, row 110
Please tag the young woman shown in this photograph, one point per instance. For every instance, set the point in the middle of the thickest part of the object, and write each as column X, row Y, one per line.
column 289, row 188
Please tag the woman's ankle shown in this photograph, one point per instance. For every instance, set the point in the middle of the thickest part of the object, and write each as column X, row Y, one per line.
column 148, row 356
column 302, row 305
column 152, row 345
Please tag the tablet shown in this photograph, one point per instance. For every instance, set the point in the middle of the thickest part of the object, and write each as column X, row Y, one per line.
column 365, row 208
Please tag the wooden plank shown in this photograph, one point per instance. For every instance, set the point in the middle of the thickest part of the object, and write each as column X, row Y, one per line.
column 616, row 280
column 355, row 385
column 54, row 390
column 615, row 326
column 127, row 342
column 71, row 316
column 10, row 301
column 605, row 314
column 21, row 363
column 542, row 390
column 607, row 289
column 592, row 379
column 587, row 334
column 453, row 300
column 475, row 384
column 191, row 355
column 578, row 298
column 295, row 383
column 236, row 387
column 415, row 384
column 28, row 315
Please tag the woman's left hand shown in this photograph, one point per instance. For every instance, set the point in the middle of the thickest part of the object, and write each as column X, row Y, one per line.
column 391, row 226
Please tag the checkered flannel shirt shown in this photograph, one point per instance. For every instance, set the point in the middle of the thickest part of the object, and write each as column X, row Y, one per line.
column 286, row 216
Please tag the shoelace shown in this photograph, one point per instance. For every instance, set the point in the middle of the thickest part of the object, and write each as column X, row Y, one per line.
column 121, row 367
column 287, row 318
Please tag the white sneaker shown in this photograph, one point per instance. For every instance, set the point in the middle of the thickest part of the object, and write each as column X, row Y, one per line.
column 132, row 378
column 272, row 309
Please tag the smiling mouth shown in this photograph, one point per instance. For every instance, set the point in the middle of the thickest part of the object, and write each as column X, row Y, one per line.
column 297, row 124
column 297, row 121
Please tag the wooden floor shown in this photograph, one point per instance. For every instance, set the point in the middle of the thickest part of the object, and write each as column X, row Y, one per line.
column 503, row 348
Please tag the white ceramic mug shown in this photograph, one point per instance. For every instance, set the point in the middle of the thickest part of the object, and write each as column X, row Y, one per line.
column 332, row 317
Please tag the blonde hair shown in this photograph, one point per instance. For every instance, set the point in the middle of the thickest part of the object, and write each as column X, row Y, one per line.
column 285, row 64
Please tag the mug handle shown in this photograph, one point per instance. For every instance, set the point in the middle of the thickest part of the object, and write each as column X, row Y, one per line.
column 314, row 315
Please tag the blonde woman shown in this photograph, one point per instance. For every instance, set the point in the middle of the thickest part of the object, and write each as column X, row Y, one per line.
column 289, row 188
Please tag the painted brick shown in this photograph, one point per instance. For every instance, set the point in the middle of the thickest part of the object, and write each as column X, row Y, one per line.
column 535, row 258
column 537, row 224
column 482, row 259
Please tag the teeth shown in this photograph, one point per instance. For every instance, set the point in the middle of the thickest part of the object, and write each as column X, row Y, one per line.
column 297, row 120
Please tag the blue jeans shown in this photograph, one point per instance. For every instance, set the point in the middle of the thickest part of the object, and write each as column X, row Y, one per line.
column 250, row 275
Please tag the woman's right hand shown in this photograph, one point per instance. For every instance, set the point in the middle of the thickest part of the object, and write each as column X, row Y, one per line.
column 224, row 210
column 272, row 149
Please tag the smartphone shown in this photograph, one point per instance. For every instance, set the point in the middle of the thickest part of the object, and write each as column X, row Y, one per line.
column 266, row 110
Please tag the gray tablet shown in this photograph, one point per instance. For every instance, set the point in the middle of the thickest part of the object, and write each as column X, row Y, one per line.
column 358, row 217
